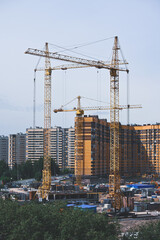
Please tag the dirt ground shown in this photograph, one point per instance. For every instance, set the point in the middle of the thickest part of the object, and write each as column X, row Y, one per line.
column 128, row 224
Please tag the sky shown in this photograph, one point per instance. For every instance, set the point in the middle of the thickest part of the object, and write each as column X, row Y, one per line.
column 31, row 23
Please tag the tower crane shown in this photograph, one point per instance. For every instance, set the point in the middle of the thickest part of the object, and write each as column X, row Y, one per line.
column 79, row 148
column 43, row 191
column 114, row 68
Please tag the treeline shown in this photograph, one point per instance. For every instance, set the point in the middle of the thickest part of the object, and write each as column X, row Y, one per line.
column 36, row 221
column 25, row 170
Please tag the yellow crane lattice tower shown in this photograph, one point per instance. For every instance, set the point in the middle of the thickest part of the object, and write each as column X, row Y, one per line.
column 79, row 144
column 43, row 191
column 114, row 177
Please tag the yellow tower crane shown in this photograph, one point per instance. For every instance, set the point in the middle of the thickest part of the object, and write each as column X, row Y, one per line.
column 114, row 68
column 114, row 177
column 43, row 191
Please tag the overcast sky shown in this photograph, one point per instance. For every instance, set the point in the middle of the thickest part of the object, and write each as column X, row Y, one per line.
column 69, row 23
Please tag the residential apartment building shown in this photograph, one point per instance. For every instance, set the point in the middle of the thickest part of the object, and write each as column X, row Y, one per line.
column 65, row 146
column 94, row 145
column 34, row 144
column 127, row 150
column 148, row 149
column 16, row 149
column 4, row 148
column 139, row 148
column 71, row 149
column 58, row 145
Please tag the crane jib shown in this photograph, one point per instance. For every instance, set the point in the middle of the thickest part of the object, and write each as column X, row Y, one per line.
column 91, row 63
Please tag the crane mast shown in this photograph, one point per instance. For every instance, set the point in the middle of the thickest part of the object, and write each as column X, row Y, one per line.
column 114, row 177
column 46, row 173
column 79, row 144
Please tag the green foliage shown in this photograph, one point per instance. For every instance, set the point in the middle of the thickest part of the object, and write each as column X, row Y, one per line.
column 25, row 170
column 3, row 168
column 50, row 221
column 66, row 171
column 5, row 179
column 78, row 225
column 38, row 176
column 54, row 168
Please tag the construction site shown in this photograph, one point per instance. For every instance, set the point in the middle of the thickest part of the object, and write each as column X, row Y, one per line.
column 82, row 166
column 107, row 154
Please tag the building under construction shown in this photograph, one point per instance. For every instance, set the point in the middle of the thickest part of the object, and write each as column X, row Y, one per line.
column 95, row 133
column 139, row 148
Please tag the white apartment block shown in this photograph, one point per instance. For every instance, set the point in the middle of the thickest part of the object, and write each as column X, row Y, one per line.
column 57, row 145
column 58, row 148
column 71, row 150
column 34, row 144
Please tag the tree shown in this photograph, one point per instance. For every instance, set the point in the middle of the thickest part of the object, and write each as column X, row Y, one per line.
column 26, row 170
column 54, row 167
column 37, row 221
column 79, row 225
column 66, row 171
column 38, row 176
column 3, row 167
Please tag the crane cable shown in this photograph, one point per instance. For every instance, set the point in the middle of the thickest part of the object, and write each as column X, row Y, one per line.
column 97, row 85
column 79, row 46
column 82, row 44
column 81, row 97
column 64, row 95
column 38, row 62
column 34, row 100
column 34, row 114
column 128, row 106
column 93, row 99
column 84, row 55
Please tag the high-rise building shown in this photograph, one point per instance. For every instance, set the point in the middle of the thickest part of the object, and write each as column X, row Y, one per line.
column 127, row 150
column 65, row 147
column 4, row 148
column 34, row 144
column 16, row 149
column 95, row 141
column 58, row 145
column 148, row 149
column 71, row 149
column 139, row 148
